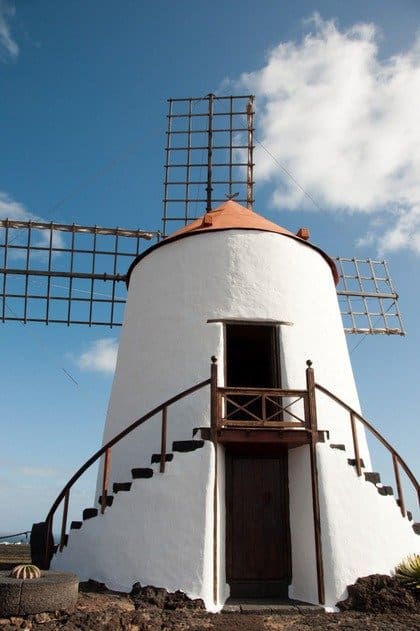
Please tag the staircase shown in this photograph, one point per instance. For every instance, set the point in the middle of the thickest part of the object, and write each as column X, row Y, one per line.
column 374, row 478
column 182, row 446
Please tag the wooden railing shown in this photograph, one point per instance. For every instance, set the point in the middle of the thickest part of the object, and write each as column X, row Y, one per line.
column 105, row 451
column 397, row 461
column 268, row 411
column 262, row 407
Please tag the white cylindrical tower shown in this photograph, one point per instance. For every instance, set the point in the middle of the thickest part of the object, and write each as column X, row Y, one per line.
column 262, row 300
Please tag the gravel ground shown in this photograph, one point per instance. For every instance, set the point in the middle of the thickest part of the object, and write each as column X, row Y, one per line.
column 107, row 611
column 152, row 610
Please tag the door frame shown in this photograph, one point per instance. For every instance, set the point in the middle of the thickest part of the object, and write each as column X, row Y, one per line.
column 257, row 451
column 276, row 357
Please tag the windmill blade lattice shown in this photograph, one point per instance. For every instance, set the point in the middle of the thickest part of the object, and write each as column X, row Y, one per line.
column 367, row 297
column 68, row 274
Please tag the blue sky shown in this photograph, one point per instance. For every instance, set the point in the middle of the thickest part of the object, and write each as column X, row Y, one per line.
column 83, row 89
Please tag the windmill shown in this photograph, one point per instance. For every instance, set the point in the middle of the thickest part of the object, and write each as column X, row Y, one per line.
column 255, row 496
column 55, row 273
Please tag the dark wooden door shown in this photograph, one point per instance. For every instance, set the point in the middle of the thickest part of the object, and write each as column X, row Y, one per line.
column 258, row 536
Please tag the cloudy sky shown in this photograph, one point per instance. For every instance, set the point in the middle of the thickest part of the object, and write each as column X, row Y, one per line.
column 83, row 88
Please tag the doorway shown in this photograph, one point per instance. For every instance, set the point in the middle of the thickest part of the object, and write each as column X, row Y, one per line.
column 252, row 360
column 258, row 556
column 252, row 356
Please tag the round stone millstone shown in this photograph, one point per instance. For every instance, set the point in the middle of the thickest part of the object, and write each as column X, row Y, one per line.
column 51, row 592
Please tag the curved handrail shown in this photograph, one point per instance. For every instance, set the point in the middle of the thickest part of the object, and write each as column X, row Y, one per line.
column 103, row 450
column 395, row 455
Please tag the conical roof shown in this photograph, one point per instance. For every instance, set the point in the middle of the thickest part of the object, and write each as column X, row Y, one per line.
column 232, row 216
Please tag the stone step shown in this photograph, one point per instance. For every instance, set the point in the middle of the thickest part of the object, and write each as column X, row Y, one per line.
column 88, row 513
column 140, row 472
column 121, row 486
column 187, row 445
column 352, row 462
column 372, row 476
column 156, row 458
column 76, row 525
column 385, row 490
column 109, row 500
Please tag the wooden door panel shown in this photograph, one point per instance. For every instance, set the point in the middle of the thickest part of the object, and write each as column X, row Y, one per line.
column 257, row 519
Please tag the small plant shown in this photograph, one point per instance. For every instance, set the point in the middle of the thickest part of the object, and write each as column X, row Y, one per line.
column 408, row 571
column 25, row 571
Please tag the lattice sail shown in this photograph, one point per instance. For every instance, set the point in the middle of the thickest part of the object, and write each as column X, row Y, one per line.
column 367, row 297
column 55, row 273
column 209, row 156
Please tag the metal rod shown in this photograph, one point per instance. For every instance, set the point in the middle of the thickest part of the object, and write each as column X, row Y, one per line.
column 355, row 445
column 163, row 440
column 105, row 479
column 64, row 520
column 209, row 187
column 399, row 486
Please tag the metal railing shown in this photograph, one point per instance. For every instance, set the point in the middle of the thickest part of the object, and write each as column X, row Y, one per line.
column 105, row 451
column 397, row 461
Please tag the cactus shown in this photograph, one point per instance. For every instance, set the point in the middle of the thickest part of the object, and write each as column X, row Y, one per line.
column 408, row 571
column 25, row 571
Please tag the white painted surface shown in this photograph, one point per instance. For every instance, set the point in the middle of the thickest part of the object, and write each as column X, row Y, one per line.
column 161, row 533
column 362, row 532
column 157, row 533
column 304, row 578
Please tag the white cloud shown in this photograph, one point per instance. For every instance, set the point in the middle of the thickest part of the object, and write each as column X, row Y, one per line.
column 10, row 209
column 8, row 47
column 345, row 124
column 38, row 472
column 101, row 356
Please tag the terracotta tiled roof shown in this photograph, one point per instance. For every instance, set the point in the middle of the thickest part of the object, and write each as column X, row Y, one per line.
column 230, row 215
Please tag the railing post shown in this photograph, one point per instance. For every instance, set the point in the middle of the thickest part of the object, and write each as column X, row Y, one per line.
column 64, row 520
column 214, row 395
column 214, row 421
column 163, row 440
column 105, row 479
column 356, row 445
column 310, row 385
column 399, row 486
column 48, row 547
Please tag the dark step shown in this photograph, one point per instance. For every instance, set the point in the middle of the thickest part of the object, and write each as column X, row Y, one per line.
column 352, row 462
column 385, row 490
column 416, row 528
column 121, row 486
column 409, row 515
column 187, row 445
column 141, row 473
column 76, row 525
column 340, row 447
column 88, row 513
column 372, row 476
column 109, row 500
column 156, row 458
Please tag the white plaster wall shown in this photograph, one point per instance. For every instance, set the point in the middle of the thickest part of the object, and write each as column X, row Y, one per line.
column 304, row 577
column 157, row 533
column 362, row 532
column 166, row 342
column 166, row 345
column 161, row 532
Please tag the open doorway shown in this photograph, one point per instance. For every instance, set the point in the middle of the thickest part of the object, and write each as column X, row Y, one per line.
column 252, row 356
column 252, row 360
